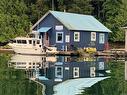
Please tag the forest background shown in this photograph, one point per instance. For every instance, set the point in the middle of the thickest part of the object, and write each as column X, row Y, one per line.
column 17, row 16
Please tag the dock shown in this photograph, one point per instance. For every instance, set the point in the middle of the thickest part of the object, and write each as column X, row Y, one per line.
column 111, row 52
column 67, row 53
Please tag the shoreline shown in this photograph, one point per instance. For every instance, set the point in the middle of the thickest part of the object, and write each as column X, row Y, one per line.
column 111, row 52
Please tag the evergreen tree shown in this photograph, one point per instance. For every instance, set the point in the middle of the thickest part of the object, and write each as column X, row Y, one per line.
column 13, row 19
column 76, row 6
column 37, row 10
column 114, row 18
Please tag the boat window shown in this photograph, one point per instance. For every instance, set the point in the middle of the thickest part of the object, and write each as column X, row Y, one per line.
column 18, row 41
column 39, row 36
column 14, row 41
column 30, row 42
column 31, row 35
column 33, row 43
column 38, row 41
column 24, row 41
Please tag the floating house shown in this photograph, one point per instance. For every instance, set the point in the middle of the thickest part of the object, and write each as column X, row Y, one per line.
column 68, row 31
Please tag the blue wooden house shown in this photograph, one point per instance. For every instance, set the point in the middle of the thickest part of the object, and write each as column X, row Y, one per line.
column 68, row 31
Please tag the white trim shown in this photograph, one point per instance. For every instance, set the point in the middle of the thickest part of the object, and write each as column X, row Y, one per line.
column 101, row 38
column 78, row 38
column 93, row 36
column 76, row 72
column 57, row 37
column 57, row 72
column 67, row 37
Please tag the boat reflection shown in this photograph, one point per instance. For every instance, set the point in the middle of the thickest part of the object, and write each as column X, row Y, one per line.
column 31, row 64
column 62, row 75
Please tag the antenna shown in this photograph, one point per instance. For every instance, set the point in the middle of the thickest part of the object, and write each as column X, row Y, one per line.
column 52, row 5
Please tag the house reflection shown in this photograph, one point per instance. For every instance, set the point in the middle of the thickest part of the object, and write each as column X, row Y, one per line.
column 31, row 64
column 56, row 70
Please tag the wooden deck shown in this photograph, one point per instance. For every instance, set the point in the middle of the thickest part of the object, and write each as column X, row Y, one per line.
column 67, row 53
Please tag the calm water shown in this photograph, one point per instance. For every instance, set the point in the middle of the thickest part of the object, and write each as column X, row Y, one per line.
column 62, row 75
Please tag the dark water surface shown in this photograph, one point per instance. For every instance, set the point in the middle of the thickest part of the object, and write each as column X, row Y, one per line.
column 62, row 75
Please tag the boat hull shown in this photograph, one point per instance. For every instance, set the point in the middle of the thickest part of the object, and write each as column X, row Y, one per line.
column 33, row 51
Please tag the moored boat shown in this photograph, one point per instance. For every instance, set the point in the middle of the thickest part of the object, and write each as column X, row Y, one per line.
column 31, row 44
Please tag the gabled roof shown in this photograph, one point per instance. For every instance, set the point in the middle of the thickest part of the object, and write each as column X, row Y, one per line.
column 74, row 21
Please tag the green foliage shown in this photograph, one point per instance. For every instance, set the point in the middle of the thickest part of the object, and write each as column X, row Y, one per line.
column 13, row 19
column 76, row 6
column 114, row 18
column 16, row 16
column 116, row 85
column 14, row 82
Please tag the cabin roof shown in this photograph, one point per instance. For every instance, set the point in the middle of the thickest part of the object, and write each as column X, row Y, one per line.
column 74, row 21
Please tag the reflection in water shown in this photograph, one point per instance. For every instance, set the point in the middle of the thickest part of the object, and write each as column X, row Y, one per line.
column 14, row 82
column 62, row 75
column 116, row 85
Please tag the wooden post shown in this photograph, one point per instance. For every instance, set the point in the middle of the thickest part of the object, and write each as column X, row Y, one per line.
column 126, row 40
column 125, row 28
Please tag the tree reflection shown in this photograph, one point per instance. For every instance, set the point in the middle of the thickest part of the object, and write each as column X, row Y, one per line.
column 116, row 85
column 14, row 82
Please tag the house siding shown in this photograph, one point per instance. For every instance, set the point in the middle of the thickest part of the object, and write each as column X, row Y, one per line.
column 85, row 36
column 85, row 40
column 51, row 21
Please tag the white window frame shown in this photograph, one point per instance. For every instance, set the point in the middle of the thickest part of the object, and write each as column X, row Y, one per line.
column 67, row 38
column 76, row 71
column 78, row 38
column 56, row 72
column 101, row 65
column 92, row 71
column 101, row 38
column 93, row 36
column 57, row 37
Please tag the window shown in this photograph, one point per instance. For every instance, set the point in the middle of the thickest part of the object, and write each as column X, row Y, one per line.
column 76, row 72
column 101, row 38
column 38, row 41
column 93, row 36
column 34, row 43
column 59, row 37
column 23, row 41
column 76, row 36
column 14, row 41
column 92, row 71
column 101, row 65
column 59, row 71
column 18, row 41
column 30, row 42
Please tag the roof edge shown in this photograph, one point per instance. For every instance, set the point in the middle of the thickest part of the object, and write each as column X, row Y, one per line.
column 91, row 31
column 39, row 20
